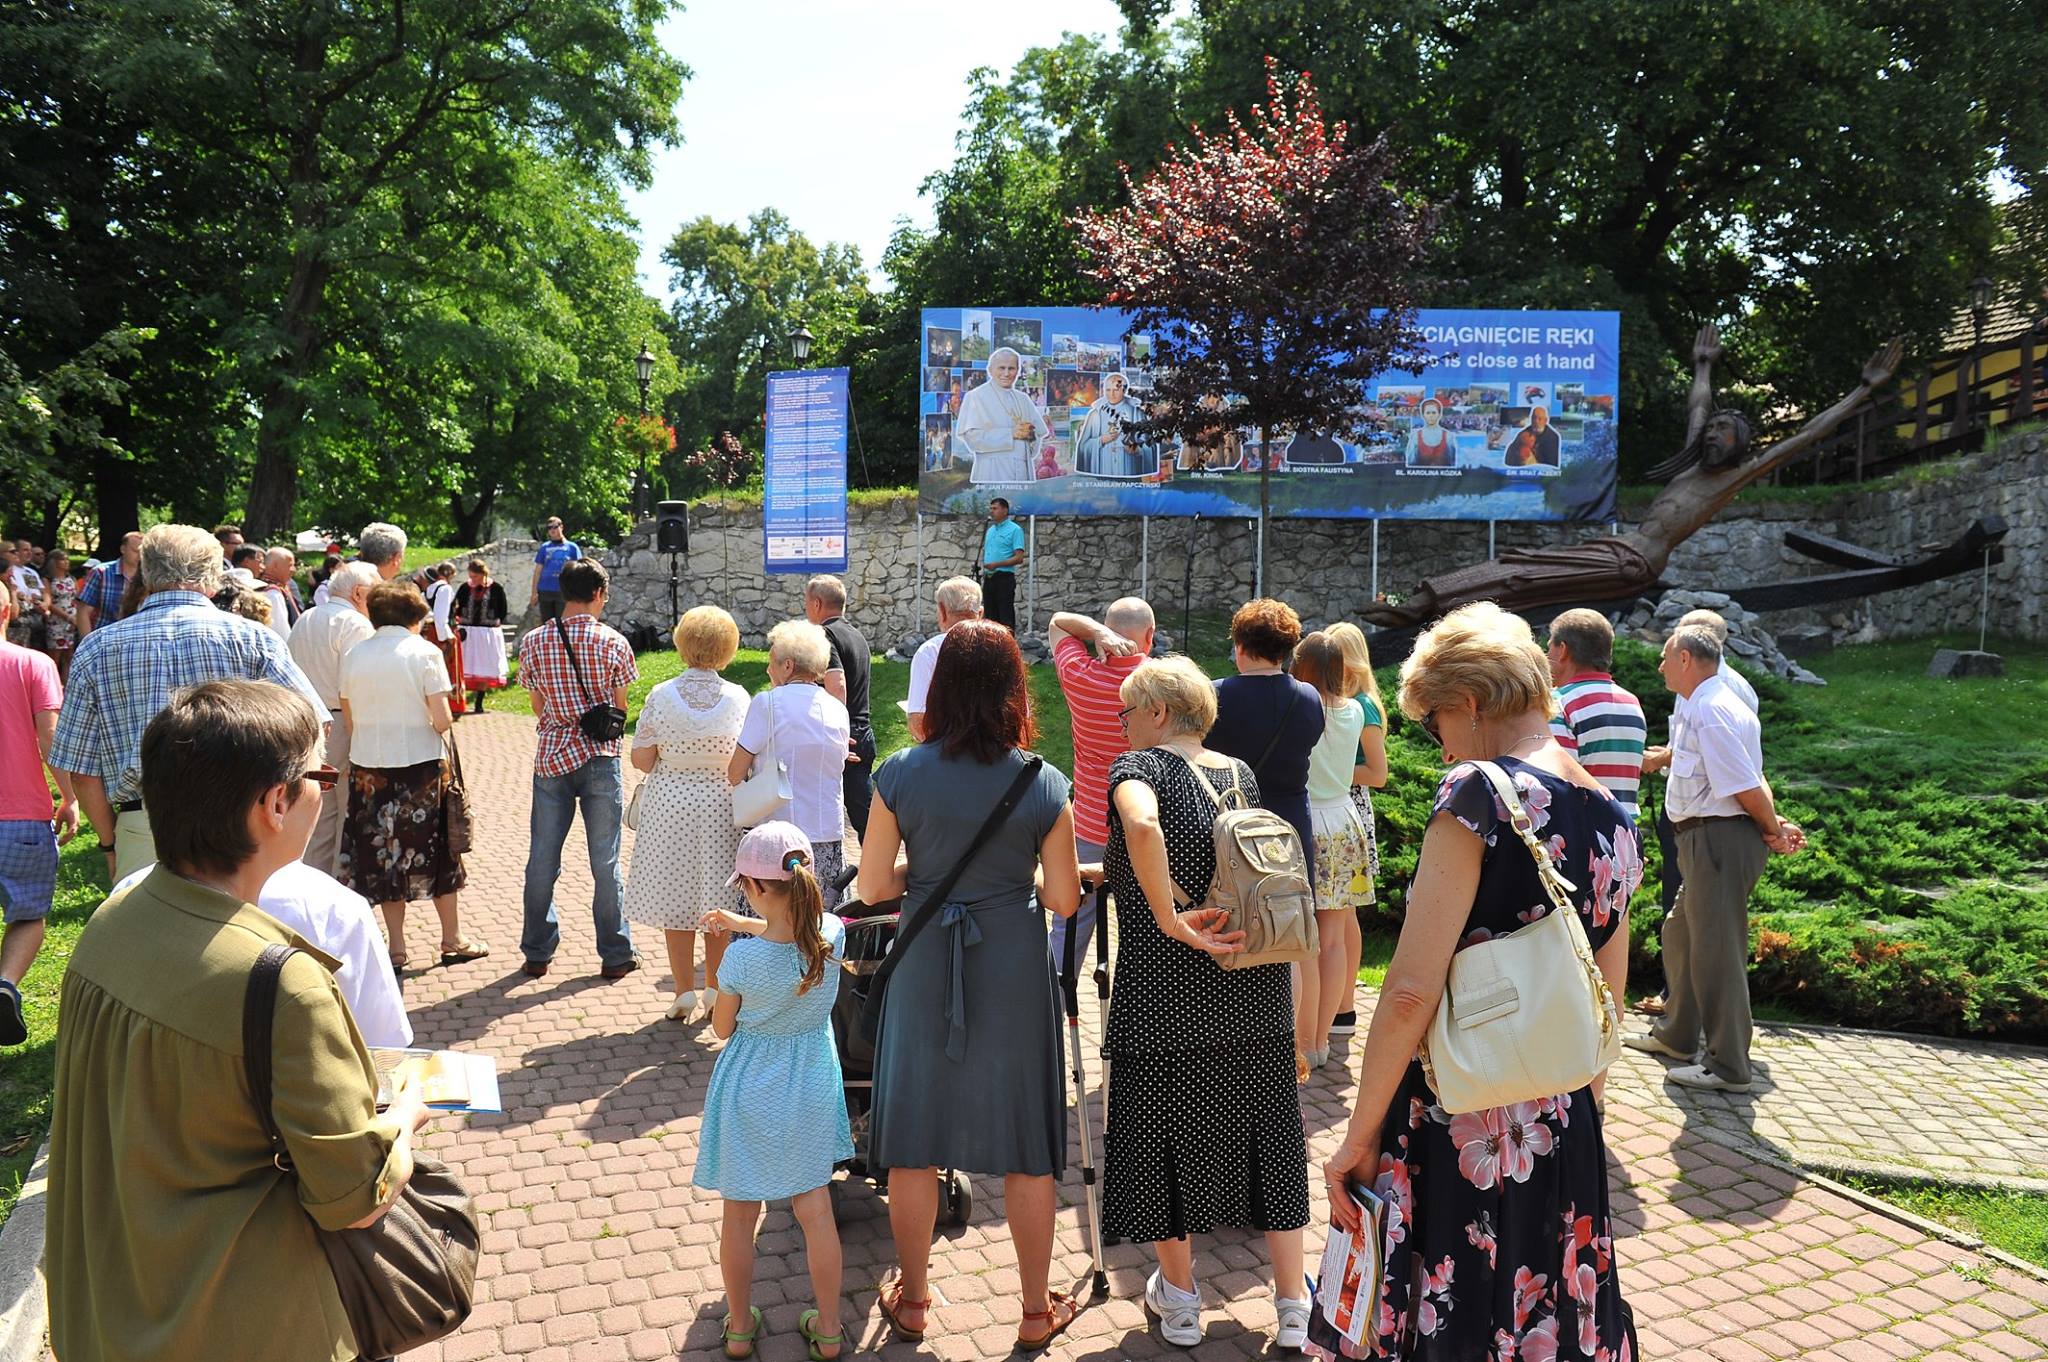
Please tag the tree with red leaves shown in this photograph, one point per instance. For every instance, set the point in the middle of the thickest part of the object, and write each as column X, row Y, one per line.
column 1277, row 264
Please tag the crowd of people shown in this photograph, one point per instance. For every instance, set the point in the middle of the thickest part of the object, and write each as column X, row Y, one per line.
column 250, row 787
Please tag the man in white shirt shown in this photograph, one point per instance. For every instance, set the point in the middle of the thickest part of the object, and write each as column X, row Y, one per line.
column 318, row 642
column 327, row 914
column 275, row 582
column 1718, row 627
column 1727, row 826
column 958, row 598
column 1000, row 423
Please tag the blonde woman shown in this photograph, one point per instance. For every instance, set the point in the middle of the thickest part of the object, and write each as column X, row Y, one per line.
column 688, row 731
column 1343, row 883
column 1506, row 1243
column 1360, row 684
column 808, row 727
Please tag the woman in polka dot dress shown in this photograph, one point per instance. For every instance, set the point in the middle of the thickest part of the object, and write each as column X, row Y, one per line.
column 1204, row 1127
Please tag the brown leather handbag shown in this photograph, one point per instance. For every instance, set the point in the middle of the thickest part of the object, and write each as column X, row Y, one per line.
column 411, row 1277
column 458, row 827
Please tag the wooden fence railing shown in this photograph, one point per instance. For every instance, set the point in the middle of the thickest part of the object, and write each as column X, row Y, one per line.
column 1948, row 407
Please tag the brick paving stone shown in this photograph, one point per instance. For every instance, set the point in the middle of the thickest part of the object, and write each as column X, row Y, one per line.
column 598, row 1247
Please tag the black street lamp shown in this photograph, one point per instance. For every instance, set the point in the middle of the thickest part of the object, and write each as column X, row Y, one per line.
column 800, row 344
column 1980, row 312
column 643, row 369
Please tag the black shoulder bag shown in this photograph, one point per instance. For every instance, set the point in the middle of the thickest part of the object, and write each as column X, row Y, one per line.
column 1293, row 699
column 411, row 1277
column 875, row 985
column 600, row 723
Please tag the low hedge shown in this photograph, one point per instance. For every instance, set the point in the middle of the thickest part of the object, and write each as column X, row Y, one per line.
column 1920, row 903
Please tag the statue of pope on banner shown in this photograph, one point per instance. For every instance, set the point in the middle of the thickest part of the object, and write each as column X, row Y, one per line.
column 1000, row 424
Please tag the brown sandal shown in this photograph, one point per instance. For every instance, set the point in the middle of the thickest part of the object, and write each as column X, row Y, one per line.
column 1056, row 1325
column 889, row 1309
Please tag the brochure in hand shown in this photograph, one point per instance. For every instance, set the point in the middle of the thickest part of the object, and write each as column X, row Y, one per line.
column 1347, row 1295
column 450, row 1080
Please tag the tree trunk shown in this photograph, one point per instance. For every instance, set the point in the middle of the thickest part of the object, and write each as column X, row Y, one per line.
column 115, row 503
column 469, row 524
column 274, row 488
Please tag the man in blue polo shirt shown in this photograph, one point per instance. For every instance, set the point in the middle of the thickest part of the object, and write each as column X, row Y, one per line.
column 555, row 552
column 1002, row 549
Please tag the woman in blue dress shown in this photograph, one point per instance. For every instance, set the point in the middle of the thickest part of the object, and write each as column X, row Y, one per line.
column 775, row 1115
column 1498, row 1239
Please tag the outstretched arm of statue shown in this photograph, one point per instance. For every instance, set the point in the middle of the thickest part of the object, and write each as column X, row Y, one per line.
column 1706, row 348
column 1877, row 371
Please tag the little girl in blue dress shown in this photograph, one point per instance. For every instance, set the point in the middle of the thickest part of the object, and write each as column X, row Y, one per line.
column 775, row 1115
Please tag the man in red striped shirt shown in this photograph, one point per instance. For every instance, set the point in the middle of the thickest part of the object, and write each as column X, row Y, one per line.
column 1091, row 684
column 1598, row 722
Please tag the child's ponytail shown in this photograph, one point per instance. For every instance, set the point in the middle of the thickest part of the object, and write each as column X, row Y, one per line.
column 807, row 920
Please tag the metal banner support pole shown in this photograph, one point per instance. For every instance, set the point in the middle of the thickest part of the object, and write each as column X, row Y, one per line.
column 1145, row 555
column 1375, row 558
column 1258, row 556
column 1031, row 573
column 917, row 606
column 1984, row 602
column 1489, row 539
column 1187, row 582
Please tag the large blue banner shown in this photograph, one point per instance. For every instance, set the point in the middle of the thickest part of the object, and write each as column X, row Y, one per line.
column 1513, row 419
column 803, row 469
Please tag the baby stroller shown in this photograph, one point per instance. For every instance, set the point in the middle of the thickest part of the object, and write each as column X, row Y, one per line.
column 868, row 939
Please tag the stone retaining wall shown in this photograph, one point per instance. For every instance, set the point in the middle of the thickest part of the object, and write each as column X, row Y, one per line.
column 1324, row 567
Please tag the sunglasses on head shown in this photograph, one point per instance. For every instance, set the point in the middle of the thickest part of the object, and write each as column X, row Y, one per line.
column 323, row 775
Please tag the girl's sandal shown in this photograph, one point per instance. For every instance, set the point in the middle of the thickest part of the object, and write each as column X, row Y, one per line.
column 741, row 1345
column 900, row 1302
column 1061, row 1311
column 462, row 950
column 816, row 1342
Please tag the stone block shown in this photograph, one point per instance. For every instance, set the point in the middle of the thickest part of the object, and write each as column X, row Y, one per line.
column 1955, row 664
column 1805, row 640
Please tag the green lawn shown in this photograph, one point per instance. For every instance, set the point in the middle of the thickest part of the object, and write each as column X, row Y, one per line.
column 2016, row 1222
column 28, row 1072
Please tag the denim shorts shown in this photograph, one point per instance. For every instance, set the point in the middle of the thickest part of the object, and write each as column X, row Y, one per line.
column 28, row 868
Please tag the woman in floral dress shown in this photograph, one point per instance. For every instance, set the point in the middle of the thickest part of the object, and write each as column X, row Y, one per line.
column 1498, row 1240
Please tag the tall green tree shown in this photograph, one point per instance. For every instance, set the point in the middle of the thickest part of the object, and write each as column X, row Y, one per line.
column 368, row 127
column 738, row 291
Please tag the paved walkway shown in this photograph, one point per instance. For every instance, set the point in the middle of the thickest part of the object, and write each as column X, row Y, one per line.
column 598, row 1248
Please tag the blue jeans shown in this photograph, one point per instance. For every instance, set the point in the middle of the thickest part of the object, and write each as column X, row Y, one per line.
column 595, row 785
column 1082, row 923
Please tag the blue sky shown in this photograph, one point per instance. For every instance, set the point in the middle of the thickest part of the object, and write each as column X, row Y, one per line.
column 833, row 111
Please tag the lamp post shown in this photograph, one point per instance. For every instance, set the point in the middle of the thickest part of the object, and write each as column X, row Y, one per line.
column 1980, row 312
column 643, row 369
column 800, row 344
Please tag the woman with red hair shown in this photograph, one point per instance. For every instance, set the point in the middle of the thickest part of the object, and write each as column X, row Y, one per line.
column 968, row 1071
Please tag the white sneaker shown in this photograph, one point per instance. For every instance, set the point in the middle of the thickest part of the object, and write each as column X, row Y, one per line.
column 1180, row 1322
column 1648, row 1044
column 1705, row 1079
column 1293, row 1331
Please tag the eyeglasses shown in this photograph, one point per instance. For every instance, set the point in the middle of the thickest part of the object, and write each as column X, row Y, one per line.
column 323, row 775
column 1429, row 727
column 1123, row 716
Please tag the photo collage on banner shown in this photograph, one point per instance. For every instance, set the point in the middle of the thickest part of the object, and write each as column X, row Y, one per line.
column 1512, row 419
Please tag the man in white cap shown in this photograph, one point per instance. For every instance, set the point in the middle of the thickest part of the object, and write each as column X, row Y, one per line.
column 1000, row 423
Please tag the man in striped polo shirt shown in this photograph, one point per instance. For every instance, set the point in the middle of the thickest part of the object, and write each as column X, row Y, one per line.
column 1598, row 722
column 1091, row 685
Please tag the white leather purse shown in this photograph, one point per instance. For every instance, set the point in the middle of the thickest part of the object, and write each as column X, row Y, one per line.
column 1527, row 1015
column 766, row 790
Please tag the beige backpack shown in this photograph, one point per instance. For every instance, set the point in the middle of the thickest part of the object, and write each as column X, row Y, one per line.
column 1261, row 881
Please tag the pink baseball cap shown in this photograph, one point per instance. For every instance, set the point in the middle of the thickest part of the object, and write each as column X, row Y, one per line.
column 765, row 851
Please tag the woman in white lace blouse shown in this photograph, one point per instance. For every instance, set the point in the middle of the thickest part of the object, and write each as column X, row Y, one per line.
column 684, row 843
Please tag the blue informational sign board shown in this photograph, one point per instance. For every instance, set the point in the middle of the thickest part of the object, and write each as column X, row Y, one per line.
column 803, row 526
column 1514, row 418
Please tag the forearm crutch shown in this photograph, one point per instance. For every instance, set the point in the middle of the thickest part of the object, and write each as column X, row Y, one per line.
column 1070, row 997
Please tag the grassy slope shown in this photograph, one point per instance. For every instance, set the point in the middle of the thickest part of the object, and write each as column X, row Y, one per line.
column 2016, row 1222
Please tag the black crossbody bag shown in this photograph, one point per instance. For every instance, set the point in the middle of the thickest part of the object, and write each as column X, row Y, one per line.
column 600, row 723
column 411, row 1277
column 872, row 988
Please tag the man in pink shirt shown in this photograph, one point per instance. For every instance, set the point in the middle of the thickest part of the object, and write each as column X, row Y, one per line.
column 1091, row 684
column 30, row 696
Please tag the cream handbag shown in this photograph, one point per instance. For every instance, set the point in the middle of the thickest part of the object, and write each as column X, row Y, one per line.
column 1527, row 1015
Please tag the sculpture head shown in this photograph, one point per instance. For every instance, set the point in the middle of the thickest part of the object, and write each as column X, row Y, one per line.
column 1724, row 442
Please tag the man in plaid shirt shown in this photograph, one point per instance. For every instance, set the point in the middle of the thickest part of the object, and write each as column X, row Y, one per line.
column 99, row 603
column 123, row 675
column 571, row 771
